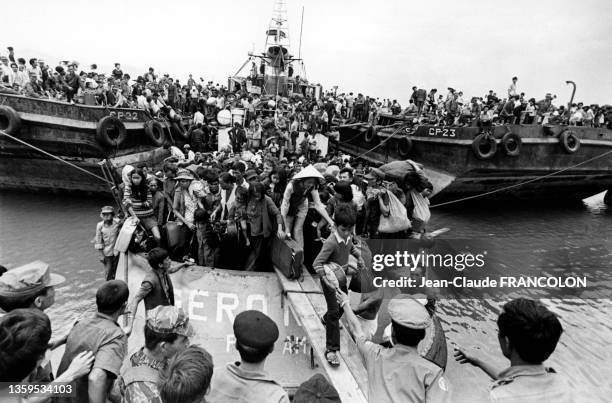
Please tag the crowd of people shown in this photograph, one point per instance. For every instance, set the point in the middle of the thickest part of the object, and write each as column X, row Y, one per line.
column 272, row 182
column 200, row 204
column 167, row 368
column 158, row 94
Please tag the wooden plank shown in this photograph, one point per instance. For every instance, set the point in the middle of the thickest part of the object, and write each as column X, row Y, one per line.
column 342, row 378
column 348, row 350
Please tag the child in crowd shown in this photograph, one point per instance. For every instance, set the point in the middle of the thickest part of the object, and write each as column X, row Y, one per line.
column 159, row 202
column 334, row 258
column 107, row 231
column 312, row 146
column 238, row 212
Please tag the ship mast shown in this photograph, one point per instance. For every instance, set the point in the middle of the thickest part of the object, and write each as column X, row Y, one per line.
column 276, row 57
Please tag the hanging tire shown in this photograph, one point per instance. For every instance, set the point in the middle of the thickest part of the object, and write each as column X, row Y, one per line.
column 404, row 146
column 484, row 146
column 10, row 121
column 155, row 132
column 110, row 131
column 511, row 144
column 370, row 135
column 569, row 141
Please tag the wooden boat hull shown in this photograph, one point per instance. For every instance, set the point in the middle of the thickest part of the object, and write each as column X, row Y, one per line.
column 50, row 175
column 456, row 172
column 69, row 132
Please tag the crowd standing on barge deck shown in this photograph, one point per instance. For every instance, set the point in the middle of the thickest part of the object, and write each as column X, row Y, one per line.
column 158, row 94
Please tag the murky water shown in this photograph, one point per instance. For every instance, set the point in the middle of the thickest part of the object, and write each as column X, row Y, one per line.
column 58, row 230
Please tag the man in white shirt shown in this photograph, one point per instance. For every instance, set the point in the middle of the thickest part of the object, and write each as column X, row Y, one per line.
column 198, row 117
column 220, row 102
column 512, row 89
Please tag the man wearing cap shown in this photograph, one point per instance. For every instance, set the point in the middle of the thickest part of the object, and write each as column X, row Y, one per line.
column 28, row 286
column 166, row 333
column 399, row 374
column 101, row 334
column 107, row 231
column 317, row 389
column 247, row 381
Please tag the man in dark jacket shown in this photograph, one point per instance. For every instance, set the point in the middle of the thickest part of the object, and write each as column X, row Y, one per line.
column 72, row 83
column 196, row 139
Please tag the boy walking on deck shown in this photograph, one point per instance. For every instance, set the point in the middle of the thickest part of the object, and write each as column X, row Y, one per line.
column 107, row 231
column 330, row 264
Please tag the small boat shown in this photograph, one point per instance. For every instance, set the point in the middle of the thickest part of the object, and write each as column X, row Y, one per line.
column 46, row 139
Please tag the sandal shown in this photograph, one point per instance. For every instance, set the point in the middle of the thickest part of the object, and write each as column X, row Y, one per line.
column 332, row 358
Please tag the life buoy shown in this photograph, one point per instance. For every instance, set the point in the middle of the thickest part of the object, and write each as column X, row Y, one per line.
column 110, row 131
column 10, row 121
column 370, row 134
column 569, row 141
column 404, row 146
column 155, row 132
column 484, row 146
column 511, row 144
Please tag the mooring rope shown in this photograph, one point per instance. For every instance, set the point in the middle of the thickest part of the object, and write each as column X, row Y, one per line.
column 2, row 132
column 521, row 183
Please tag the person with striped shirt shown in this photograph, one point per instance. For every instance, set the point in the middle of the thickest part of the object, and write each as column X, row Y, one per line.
column 138, row 201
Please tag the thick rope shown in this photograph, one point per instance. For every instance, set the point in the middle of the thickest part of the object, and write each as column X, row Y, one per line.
column 382, row 142
column 2, row 132
column 521, row 183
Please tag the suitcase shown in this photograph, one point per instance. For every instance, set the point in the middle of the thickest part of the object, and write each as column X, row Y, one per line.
column 287, row 256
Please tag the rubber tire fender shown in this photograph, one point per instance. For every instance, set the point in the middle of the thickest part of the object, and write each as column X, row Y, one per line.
column 508, row 141
column 370, row 135
column 569, row 141
column 14, row 121
column 155, row 132
column 478, row 142
column 404, row 146
column 106, row 123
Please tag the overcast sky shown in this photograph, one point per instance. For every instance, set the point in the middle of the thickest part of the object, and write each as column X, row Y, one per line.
column 379, row 48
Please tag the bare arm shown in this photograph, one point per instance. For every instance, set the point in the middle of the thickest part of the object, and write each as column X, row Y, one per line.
column 99, row 383
column 80, row 366
column 352, row 321
column 320, row 207
column 145, row 289
column 469, row 356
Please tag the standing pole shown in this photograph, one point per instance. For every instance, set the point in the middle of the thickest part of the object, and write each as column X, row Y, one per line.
column 569, row 104
column 301, row 26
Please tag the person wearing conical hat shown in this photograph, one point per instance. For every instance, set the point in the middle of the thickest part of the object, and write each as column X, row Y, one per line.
column 302, row 187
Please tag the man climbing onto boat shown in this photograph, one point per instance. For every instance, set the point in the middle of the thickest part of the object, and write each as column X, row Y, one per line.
column 156, row 288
